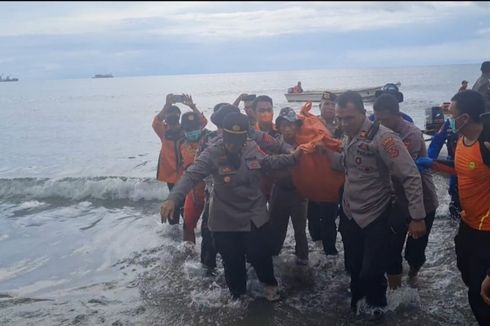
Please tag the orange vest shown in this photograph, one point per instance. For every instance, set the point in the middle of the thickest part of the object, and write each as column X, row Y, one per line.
column 167, row 161
column 473, row 185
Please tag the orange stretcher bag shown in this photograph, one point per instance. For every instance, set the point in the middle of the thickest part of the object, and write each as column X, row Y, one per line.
column 313, row 176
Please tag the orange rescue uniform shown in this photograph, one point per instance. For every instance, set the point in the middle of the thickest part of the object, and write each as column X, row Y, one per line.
column 473, row 185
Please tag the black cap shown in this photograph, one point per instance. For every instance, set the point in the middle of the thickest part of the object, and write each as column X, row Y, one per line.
column 288, row 114
column 329, row 96
column 391, row 89
column 235, row 128
column 190, row 121
column 218, row 116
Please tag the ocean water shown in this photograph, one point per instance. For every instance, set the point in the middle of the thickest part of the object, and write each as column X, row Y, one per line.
column 80, row 237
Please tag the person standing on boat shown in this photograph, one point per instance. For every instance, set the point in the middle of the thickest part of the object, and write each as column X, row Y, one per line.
column 297, row 88
column 372, row 155
column 464, row 86
column 167, row 127
column 238, row 215
column 387, row 111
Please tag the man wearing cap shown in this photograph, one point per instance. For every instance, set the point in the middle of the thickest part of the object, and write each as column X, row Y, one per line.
column 166, row 126
column 238, row 214
column 482, row 85
column 285, row 200
column 373, row 154
column 387, row 111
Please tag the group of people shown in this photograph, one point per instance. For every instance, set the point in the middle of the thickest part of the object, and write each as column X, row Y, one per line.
column 240, row 180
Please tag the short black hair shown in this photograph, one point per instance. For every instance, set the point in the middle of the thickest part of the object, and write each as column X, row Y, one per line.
column 173, row 109
column 262, row 98
column 351, row 97
column 485, row 67
column 470, row 102
column 387, row 103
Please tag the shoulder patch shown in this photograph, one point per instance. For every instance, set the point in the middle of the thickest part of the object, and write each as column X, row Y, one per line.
column 390, row 147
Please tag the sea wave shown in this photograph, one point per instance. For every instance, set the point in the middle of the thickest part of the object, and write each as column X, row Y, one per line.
column 103, row 188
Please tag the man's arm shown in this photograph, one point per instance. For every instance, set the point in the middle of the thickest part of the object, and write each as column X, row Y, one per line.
column 196, row 172
column 401, row 166
column 276, row 162
column 438, row 141
column 190, row 103
column 158, row 121
column 268, row 143
column 239, row 99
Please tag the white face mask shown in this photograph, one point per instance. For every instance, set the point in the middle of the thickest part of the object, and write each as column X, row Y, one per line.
column 454, row 125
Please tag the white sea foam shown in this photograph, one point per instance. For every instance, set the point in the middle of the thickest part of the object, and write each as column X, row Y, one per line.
column 104, row 188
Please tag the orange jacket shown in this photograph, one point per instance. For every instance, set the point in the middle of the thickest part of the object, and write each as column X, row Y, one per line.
column 167, row 170
column 473, row 185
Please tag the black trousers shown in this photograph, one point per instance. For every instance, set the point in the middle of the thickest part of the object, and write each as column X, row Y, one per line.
column 178, row 210
column 237, row 247
column 473, row 260
column 365, row 258
column 208, row 249
column 285, row 203
column 414, row 248
column 321, row 224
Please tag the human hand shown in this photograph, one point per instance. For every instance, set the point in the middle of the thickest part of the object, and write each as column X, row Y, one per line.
column 167, row 210
column 416, row 229
column 297, row 153
column 188, row 100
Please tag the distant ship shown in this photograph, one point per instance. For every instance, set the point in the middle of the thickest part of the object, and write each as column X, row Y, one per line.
column 8, row 79
column 103, row 76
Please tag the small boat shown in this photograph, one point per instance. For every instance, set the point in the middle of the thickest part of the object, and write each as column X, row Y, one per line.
column 103, row 76
column 8, row 79
column 368, row 94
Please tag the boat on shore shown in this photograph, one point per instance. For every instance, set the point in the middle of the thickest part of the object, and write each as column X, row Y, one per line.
column 367, row 93
column 103, row 76
column 8, row 79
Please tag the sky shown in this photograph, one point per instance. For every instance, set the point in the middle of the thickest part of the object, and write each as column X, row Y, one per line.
column 59, row 40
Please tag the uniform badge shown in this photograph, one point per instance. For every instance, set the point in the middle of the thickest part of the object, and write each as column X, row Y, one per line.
column 358, row 160
column 390, row 147
column 236, row 128
column 191, row 117
column 472, row 165
column 227, row 179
